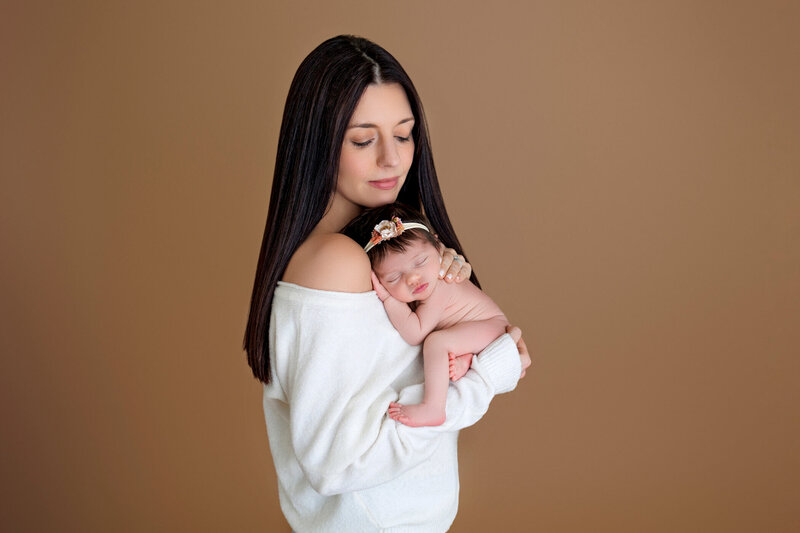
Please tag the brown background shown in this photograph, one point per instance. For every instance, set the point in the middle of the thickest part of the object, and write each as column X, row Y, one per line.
column 625, row 177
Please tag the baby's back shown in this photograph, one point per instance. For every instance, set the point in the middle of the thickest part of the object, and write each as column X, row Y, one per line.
column 464, row 302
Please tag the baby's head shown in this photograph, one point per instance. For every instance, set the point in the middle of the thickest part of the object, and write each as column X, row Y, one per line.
column 402, row 249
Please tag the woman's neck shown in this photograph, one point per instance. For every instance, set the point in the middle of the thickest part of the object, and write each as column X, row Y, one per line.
column 339, row 213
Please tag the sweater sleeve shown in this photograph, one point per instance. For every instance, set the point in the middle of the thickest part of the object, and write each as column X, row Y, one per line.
column 335, row 356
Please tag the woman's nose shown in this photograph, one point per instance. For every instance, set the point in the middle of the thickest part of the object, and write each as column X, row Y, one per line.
column 388, row 155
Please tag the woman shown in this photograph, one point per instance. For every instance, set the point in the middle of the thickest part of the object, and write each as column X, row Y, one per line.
column 353, row 136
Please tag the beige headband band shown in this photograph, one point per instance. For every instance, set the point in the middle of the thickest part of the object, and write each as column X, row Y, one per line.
column 388, row 229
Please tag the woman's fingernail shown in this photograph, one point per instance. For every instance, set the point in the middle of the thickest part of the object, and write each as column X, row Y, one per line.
column 441, row 273
column 449, row 276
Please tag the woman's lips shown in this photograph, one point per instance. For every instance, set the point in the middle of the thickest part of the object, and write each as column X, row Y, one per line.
column 385, row 184
column 420, row 288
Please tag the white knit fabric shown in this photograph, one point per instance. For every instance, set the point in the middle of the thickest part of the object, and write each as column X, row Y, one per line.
column 342, row 464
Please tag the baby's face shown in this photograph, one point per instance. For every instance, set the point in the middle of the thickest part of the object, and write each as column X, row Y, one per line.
column 411, row 275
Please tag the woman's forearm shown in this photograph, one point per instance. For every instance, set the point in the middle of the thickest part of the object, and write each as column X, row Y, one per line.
column 326, row 370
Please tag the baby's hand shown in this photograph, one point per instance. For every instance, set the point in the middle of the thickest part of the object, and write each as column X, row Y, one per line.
column 379, row 288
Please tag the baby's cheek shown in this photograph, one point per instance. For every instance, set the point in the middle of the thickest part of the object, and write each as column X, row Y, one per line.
column 400, row 292
column 393, row 290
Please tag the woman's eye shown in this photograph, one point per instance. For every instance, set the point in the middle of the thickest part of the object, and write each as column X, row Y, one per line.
column 362, row 144
column 404, row 139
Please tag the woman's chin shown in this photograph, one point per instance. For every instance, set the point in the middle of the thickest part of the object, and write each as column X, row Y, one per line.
column 381, row 200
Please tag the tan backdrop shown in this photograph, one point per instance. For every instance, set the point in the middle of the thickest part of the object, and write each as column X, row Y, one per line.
column 625, row 177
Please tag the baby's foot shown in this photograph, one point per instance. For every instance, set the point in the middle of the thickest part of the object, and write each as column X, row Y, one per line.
column 459, row 365
column 416, row 415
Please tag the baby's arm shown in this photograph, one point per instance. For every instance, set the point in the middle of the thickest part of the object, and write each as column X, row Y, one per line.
column 413, row 327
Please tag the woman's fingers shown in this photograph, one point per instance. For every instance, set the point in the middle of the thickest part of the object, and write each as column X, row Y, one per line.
column 445, row 260
column 464, row 272
column 453, row 266
column 524, row 356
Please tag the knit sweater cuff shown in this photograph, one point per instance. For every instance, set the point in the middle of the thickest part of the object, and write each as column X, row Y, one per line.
column 499, row 364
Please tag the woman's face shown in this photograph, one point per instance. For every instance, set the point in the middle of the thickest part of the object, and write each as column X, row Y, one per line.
column 378, row 148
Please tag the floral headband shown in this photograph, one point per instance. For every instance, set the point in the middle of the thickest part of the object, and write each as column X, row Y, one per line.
column 388, row 229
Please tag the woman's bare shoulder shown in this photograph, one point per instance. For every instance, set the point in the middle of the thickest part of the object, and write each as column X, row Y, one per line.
column 330, row 262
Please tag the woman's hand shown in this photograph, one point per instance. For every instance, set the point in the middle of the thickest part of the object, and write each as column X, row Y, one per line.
column 453, row 267
column 525, row 358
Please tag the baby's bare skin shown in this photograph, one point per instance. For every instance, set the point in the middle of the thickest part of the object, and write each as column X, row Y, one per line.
column 450, row 319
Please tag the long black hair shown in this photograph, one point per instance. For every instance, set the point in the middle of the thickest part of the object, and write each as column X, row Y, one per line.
column 324, row 93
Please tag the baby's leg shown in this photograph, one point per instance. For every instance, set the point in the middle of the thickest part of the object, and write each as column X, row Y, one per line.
column 465, row 337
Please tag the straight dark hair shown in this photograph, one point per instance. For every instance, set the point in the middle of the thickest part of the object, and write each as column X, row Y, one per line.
column 323, row 95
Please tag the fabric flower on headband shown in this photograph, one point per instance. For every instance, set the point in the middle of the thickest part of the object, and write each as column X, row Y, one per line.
column 389, row 229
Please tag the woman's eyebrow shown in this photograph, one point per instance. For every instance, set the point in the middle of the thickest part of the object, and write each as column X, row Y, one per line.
column 370, row 125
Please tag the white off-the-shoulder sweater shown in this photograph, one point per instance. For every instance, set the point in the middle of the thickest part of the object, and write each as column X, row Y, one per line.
column 342, row 464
